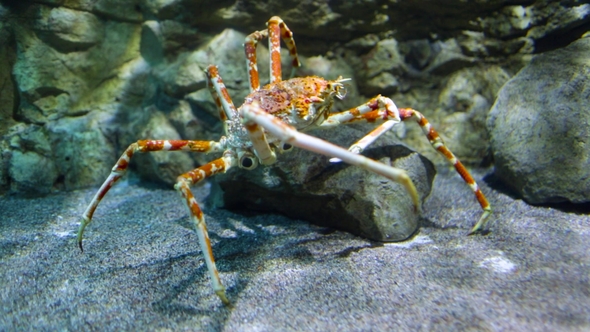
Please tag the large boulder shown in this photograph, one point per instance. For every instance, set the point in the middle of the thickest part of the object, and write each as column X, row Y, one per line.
column 305, row 185
column 540, row 127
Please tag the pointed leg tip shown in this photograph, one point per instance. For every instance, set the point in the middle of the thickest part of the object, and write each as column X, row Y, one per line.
column 478, row 231
column 223, row 298
column 80, row 246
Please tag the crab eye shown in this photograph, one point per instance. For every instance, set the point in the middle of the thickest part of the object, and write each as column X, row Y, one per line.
column 248, row 161
column 286, row 147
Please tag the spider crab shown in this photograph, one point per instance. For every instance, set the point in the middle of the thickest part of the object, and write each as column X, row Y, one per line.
column 271, row 120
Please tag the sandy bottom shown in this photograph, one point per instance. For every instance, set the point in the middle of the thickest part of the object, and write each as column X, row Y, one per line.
column 142, row 268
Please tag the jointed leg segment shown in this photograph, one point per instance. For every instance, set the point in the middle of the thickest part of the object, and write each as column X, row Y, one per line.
column 438, row 144
column 381, row 109
column 277, row 30
column 183, row 186
column 253, row 114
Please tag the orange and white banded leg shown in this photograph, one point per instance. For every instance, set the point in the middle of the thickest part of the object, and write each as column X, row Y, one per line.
column 251, row 62
column 288, row 134
column 360, row 145
column 225, row 105
column 438, row 144
column 277, row 30
column 377, row 109
column 121, row 167
column 183, row 184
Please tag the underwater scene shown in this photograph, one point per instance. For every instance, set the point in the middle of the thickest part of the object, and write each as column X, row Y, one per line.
column 243, row 165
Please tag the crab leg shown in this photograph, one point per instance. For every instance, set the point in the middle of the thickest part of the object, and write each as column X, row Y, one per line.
column 251, row 63
column 183, row 184
column 260, row 144
column 225, row 105
column 438, row 144
column 276, row 30
column 121, row 167
column 360, row 145
column 287, row 134
column 378, row 108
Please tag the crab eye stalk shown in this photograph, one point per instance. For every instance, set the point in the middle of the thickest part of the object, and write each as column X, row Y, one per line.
column 340, row 91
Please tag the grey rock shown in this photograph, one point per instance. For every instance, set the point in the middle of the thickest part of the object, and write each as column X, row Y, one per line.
column 183, row 76
column 469, row 94
column 384, row 83
column 384, row 57
column 152, row 40
column 304, row 185
column 449, row 58
column 123, row 11
column 540, row 127
column 68, row 30
column 31, row 173
column 8, row 91
column 53, row 84
column 379, row 69
column 83, row 156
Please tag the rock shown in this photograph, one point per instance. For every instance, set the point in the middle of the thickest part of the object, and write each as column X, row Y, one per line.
column 152, row 40
column 30, row 164
column 183, row 76
column 540, row 127
column 384, row 57
column 384, row 83
column 8, row 91
column 164, row 166
column 31, row 173
column 84, row 153
column 418, row 53
column 120, row 58
column 305, row 185
column 468, row 95
column 68, row 30
column 448, row 58
column 53, row 84
column 124, row 11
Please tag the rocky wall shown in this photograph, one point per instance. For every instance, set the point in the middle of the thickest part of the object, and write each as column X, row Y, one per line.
column 80, row 80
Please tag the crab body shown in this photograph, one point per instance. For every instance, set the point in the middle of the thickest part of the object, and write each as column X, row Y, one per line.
column 300, row 102
column 273, row 118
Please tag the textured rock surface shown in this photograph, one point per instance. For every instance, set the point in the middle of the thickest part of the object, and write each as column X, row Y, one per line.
column 540, row 127
column 306, row 186
column 138, row 66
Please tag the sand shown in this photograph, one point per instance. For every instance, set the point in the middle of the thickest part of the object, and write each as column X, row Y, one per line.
column 142, row 268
